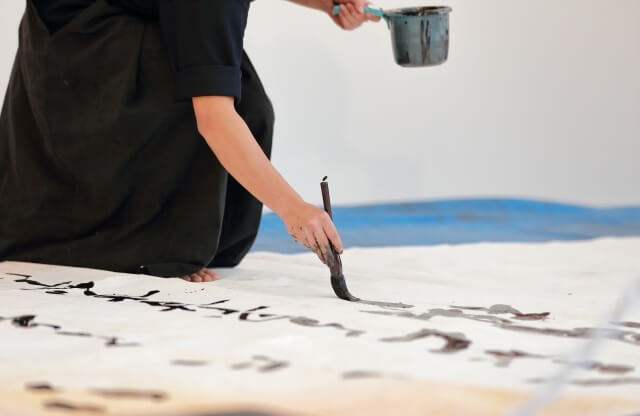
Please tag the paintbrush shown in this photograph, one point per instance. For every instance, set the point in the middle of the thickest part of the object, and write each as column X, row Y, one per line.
column 335, row 263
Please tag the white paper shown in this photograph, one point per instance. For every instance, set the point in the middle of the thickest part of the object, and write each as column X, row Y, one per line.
column 271, row 336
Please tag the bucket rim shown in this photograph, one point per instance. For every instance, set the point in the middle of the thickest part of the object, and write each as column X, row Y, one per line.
column 429, row 10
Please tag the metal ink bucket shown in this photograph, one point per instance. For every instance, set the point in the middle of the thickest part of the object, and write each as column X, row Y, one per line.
column 419, row 35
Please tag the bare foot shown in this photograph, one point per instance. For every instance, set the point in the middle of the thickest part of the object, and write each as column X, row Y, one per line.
column 204, row 275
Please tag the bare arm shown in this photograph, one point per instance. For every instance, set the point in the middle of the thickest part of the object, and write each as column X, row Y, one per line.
column 231, row 141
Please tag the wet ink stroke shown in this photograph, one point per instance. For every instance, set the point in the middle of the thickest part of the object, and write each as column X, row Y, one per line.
column 249, row 315
column 64, row 405
column 190, row 363
column 41, row 387
column 130, row 394
column 28, row 321
column 454, row 341
column 505, row 309
column 263, row 363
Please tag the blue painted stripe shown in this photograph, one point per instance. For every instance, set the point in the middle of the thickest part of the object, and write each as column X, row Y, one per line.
column 461, row 221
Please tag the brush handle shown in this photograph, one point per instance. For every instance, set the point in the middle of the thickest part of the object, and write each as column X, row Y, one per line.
column 326, row 199
column 367, row 9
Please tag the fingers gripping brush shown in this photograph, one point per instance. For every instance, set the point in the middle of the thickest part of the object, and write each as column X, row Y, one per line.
column 335, row 264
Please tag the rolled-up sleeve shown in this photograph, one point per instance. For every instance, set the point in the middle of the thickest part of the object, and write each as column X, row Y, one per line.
column 205, row 43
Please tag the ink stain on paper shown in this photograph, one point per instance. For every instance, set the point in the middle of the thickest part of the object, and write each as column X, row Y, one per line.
column 28, row 322
column 500, row 309
column 600, row 367
column 629, row 324
column 130, row 394
column 262, row 363
column 504, row 358
column 190, row 363
column 595, row 382
column 304, row 321
column 388, row 305
column 627, row 337
column 360, row 374
column 71, row 407
column 40, row 387
column 454, row 341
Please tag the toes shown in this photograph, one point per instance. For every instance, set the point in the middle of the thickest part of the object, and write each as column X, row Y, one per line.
column 203, row 276
column 212, row 275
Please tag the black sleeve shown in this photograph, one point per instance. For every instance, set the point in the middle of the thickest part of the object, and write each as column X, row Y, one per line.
column 205, row 43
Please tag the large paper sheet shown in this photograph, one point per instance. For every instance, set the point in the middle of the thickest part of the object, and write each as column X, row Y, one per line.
column 481, row 327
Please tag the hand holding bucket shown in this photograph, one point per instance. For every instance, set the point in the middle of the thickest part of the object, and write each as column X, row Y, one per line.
column 419, row 35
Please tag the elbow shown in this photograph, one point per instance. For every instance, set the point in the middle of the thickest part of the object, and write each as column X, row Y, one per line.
column 211, row 113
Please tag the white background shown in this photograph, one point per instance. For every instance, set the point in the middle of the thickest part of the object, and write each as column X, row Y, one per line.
column 539, row 99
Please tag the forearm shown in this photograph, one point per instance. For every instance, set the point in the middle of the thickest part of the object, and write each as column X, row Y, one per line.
column 233, row 144
column 323, row 5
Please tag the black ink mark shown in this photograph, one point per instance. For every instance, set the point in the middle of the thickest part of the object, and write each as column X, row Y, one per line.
column 115, row 342
column 249, row 315
column 18, row 274
column 74, row 334
column 628, row 337
column 389, row 305
column 28, row 322
column 264, row 363
column 130, row 394
column 455, row 341
column 56, row 404
column 87, row 287
column 304, row 321
column 506, row 309
column 190, row 363
column 39, row 284
column 447, row 313
column 40, row 387
column 57, row 292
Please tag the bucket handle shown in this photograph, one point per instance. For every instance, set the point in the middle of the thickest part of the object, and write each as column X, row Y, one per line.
column 367, row 9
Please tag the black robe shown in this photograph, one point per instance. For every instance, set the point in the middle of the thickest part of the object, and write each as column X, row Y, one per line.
column 101, row 162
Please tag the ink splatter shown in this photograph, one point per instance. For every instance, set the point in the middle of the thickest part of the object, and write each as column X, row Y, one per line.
column 455, row 341
column 130, row 394
column 60, row 405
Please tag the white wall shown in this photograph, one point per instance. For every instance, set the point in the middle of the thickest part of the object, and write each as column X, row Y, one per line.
column 540, row 98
